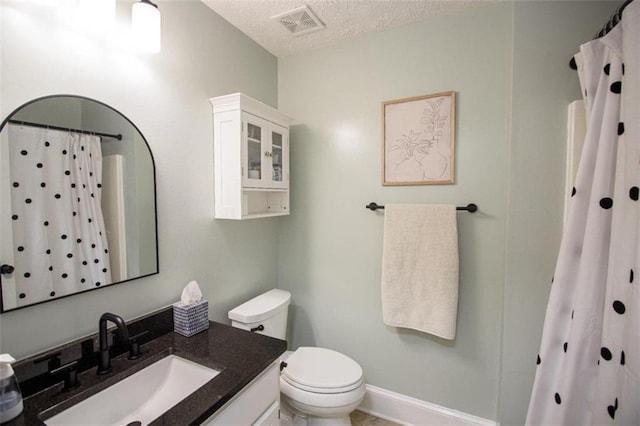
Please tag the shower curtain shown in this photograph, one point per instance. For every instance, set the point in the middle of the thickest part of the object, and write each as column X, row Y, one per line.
column 588, row 369
column 59, row 235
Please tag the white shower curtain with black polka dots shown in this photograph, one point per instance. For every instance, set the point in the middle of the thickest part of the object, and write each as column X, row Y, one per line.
column 588, row 369
column 58, row 229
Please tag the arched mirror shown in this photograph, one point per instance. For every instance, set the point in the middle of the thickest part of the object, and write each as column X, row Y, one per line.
column 77, row 201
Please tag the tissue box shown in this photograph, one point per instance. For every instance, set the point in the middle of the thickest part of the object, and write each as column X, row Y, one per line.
column 190, row 319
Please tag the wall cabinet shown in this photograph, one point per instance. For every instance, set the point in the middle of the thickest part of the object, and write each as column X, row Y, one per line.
column 251, row 158
column 257, row 404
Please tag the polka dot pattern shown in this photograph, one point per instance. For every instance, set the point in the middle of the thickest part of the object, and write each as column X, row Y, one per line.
column 589, row 343
column 606, row 203
column 616, row 87
column 52, row 250
column 619, row 307
column 611, row 409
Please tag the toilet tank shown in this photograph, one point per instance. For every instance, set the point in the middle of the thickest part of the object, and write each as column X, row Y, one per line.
column 264, row 314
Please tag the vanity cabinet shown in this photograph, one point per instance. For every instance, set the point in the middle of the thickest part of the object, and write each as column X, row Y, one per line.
column 257, row 404
column 251, row 158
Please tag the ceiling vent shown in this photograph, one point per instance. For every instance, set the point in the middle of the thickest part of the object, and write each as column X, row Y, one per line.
column 299, row 21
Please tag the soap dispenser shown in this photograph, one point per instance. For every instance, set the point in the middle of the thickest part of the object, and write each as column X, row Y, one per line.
column 10, row 395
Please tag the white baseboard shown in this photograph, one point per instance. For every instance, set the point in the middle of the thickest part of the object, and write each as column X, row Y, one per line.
column 410, row 411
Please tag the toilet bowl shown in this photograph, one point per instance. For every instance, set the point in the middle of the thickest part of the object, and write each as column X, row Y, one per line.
column 322, row 384
column 318, row 386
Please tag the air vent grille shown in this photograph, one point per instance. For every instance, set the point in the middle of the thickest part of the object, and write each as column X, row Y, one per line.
column 299, row 21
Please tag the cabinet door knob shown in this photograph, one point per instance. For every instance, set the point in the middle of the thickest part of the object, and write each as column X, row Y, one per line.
column 267, row 154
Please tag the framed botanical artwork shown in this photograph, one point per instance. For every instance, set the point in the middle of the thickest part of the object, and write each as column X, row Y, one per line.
column 418, row 140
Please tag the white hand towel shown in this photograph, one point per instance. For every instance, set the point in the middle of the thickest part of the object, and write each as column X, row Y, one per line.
column 420, row 268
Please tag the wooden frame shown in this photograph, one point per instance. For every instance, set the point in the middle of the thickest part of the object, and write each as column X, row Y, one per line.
column 418, row 140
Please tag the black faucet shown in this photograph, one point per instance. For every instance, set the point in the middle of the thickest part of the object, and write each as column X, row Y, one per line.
column 104, row 361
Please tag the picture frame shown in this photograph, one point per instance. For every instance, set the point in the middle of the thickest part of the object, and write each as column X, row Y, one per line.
column 418, row 140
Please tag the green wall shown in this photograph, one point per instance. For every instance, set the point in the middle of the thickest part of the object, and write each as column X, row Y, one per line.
column 507, row 63
column 331, row 247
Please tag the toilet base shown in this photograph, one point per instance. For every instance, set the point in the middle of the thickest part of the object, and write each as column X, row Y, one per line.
column 332, row 421
column 289, row 416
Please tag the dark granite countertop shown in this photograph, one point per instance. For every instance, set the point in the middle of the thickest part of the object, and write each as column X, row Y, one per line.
column 239, row 355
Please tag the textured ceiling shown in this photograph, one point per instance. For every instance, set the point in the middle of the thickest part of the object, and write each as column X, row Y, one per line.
column 343, row 19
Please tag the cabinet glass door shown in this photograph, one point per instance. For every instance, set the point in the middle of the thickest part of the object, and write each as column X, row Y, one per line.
column 279, row 157
column 254, row 164
column 277, row 145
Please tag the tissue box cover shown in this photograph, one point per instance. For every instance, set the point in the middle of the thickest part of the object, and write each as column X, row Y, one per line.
column 190, row 319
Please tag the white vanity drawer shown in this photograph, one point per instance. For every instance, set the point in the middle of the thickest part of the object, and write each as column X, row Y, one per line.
column 271, row 417
column 255, row 404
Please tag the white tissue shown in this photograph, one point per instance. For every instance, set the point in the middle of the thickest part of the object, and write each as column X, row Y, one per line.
column 191, row 294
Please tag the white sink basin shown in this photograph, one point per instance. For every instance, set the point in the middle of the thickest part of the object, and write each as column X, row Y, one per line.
column 143, row 396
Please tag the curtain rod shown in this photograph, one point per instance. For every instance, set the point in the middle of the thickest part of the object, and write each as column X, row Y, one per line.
column 608, row 26
column 66, row 129
column 613, row 20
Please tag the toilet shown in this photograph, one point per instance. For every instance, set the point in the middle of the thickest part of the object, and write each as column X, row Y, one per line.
column 318, row 386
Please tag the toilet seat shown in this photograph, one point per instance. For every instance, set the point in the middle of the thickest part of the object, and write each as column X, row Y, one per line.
column 322, row 371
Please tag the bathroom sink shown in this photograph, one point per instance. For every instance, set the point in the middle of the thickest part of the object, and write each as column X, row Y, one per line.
column 141, row 397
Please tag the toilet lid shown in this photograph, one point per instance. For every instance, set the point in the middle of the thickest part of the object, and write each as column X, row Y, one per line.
column 322, row 370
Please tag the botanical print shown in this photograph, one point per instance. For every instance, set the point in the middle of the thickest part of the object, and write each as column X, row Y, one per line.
column 418, row 140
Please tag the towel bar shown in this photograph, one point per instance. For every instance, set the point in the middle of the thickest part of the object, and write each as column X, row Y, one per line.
column 471, row 208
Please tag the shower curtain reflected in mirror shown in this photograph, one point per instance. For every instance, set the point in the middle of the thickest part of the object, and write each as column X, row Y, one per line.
column 57, row 222
column 589, row 362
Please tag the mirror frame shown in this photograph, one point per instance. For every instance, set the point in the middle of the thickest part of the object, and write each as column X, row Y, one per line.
column 5, row 121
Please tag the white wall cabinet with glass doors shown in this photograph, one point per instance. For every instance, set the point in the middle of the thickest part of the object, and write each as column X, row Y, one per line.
column 251, row 158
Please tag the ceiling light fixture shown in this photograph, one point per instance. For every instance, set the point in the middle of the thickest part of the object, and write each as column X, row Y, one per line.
column 145, row 22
